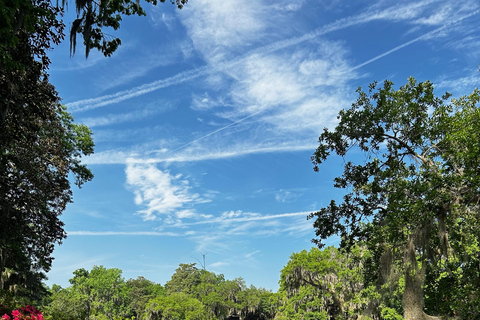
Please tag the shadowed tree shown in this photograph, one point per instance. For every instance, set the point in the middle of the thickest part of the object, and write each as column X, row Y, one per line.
column 39, row 143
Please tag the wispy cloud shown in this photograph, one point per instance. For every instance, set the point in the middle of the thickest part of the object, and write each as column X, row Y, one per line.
column 285, row 98
column 239, row 20
column 93, row 103
column 163, row 195
column 124, row 233
column 136, row 115
column 424, row 36
column 200, row 153
column 397, row 13
column 219, row 264
column 232, row 227
column 238, row 222
column 250, row 255
column 285, row 196
column 460, row 86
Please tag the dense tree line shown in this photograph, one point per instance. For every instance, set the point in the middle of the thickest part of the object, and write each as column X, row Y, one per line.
column 319, row 284
column 192, row 293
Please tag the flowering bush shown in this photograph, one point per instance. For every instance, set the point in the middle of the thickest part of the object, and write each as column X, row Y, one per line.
column 25, row 313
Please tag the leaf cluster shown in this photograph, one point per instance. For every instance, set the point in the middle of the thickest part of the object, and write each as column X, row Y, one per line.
column 93, row 17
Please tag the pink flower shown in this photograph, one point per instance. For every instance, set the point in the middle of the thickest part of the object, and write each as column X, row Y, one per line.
column 5, row 317
column 16, row 314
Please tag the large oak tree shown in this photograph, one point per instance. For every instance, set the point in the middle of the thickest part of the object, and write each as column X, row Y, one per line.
column 417, row 185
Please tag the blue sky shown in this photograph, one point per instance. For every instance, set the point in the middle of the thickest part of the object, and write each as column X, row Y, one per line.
column 205, row 118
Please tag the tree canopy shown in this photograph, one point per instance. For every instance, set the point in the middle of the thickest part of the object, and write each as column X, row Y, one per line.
column 40, row 145
column 102, row 293
column 413, row 197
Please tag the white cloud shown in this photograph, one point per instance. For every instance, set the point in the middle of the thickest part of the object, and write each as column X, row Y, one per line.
column 444, row 13
column 216, row 25
column 277, row 100
column 285, row 196
column 232, row 228
column 219, row 264
column 138, row 114
column 252, row 10
column 460, row 86
column 158, row 18
column 250, row 255
column 161, row 193
column 198, row 152
column 205, row 102
column 124, row 233
column 267, row 81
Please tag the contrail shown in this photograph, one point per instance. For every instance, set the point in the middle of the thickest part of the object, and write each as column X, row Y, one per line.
column 174, row 234
column 122, row 233
column 354, row 68
column 87, row 104
column 424, row 36
column 218, row 130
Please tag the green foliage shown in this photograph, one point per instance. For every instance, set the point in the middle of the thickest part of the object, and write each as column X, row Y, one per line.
column 176, row 306
column 65, row 304
column 28, row 27
column 221, row 297
column 103, row 294
column 38, row 152
column 39, row 147
column 324, row 284
column 390, row 314
column 416, row 189
column 139, row 291
column 93, row 17
column 185, row 279
column 97, row 294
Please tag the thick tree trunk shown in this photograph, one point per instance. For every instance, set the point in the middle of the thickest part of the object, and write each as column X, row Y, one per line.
column 413, row 294
column 3, row 257
column 413, row 301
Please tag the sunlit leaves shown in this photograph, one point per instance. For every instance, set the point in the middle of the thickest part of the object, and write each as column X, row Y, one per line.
column 414, row 180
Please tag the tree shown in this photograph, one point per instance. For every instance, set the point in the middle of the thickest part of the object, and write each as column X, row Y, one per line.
column 176, row 306
column 37, row 17
column 418, row 186
column 324, row 284
column 65, row 304
column 185, row 279
column 38, row 152
column 93, row 17
column 39, row 146
column 102, row 290
column 96, row 294
column 139, row 291
column 255, row 304
column 39, row 143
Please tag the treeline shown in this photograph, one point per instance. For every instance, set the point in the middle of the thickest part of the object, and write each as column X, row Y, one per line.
column 317, row 284
column 191, row 293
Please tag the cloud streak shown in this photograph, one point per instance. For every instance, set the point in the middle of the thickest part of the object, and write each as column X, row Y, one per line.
column 395, row 13
column 124, row 233
column 237, row 222
column 424, row 36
